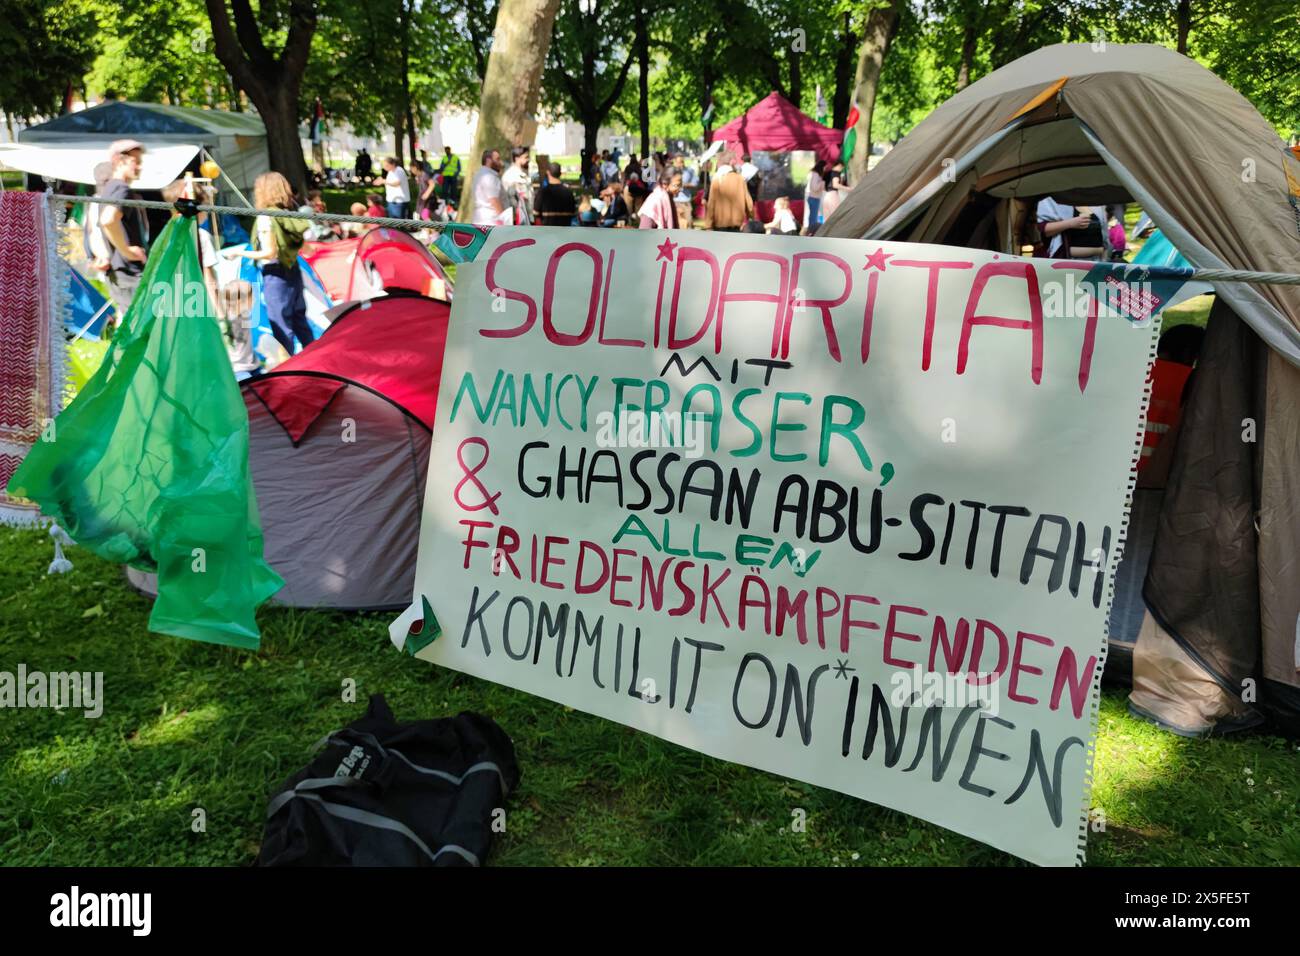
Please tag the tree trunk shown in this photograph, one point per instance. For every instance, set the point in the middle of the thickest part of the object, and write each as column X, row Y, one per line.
column 796, row 79
column 969, row 45
column 1184, row 15
column 843, row 95
column 513, row 84
column 642, row 38
column 882, row 24
column 405, row 46
column 271, row 82
column 283, row 147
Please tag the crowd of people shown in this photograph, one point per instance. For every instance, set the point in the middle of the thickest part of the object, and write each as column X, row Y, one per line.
column 417, row 191
column 661, row 191
column 116, row 241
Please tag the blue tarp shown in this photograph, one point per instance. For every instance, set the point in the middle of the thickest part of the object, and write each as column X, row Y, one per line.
column 1159, row 251
column 318, row 300
column 84, row 305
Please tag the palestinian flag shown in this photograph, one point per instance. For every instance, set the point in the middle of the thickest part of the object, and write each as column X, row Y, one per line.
column 460, row 242
column 850, row 136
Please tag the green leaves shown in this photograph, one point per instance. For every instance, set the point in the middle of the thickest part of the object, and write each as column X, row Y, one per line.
column 45, row 46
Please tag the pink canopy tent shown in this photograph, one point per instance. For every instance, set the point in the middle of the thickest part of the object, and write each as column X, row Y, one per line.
column 775, row 125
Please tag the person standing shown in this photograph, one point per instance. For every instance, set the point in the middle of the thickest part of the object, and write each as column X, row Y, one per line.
column 397, row 189
column 126, row 229
column 518, row 186
column 835, row 190
column 450, row 170
column 426, row 203
column 609, row 169
column 730, row 204
column 364, row 167
column 660, row 210
column 486, row 190
column 752, row 178
column 276, row 243
column 1069, row 233
column 177, row 190
column 635, row 188
column 686, row 198
column 554, row 203
column 813, row 192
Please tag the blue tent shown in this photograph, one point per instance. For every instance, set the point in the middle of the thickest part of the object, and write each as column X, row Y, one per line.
column 318, row 301
column 87, row 309
column 1159, row 251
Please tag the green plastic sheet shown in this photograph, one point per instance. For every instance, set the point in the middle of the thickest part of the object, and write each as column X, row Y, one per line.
column 149, row 464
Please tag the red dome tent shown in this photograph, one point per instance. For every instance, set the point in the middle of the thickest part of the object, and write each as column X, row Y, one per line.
column 339, row 450
column 776, row 125
column 383, row 258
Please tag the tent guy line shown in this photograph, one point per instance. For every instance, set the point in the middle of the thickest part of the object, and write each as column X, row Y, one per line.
column 1156, row 272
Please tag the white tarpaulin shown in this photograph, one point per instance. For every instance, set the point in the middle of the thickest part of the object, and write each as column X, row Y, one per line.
column 162, row 163
column 842, row 510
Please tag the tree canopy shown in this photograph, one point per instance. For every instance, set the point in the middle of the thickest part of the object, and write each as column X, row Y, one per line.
column 384, row 66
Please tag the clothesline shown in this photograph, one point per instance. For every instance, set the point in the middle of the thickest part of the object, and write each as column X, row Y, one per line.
column 1147, row 272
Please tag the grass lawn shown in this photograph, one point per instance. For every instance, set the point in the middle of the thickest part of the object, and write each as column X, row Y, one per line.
column 189, row 725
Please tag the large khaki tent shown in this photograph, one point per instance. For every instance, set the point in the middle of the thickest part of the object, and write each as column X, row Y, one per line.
column 1219, row 640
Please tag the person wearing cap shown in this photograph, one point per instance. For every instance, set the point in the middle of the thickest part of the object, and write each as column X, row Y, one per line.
column 126, row 229
column 94, row 242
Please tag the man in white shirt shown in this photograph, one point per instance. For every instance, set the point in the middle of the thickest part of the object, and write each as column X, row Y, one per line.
column 517, row 186
column 397, row 189
column 486, row 190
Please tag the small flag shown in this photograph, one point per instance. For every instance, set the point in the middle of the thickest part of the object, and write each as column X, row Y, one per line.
column 850, row 136
column 822, row 108
column 708, row 114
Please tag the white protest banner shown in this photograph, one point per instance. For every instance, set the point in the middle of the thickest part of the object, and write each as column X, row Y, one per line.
column 844, row 511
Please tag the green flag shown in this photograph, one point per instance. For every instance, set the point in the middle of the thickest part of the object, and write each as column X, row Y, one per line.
column 149, row 464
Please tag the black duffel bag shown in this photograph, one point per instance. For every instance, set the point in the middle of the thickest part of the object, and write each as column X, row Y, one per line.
column 388, row 794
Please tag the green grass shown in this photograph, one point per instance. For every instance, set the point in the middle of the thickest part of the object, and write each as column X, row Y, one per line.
column 189, row 725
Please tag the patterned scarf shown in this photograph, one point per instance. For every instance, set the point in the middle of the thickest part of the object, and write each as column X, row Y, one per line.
column 33, row 288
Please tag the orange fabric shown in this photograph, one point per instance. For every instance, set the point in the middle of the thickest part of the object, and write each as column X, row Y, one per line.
column 1039, row 100
column 1168, row 379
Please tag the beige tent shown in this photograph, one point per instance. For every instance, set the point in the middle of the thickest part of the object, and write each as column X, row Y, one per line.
column 1219, row 641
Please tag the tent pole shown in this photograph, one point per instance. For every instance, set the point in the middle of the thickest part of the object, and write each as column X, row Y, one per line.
column 229, row 182
column 85, row 328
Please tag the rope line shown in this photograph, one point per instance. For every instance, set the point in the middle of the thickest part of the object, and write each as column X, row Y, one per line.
column 275, row 213
column 1147, row 272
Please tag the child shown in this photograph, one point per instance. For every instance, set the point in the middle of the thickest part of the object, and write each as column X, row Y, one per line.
column 782, row 218
column 237, row 304
column 353, row 229
column 376, row 205
column 179, row 189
